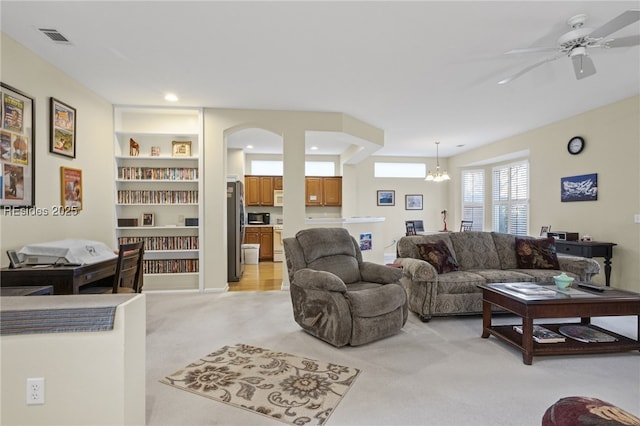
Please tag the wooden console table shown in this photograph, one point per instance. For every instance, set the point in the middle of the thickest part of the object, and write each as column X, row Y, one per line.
column 589, row 249
column 64, row 279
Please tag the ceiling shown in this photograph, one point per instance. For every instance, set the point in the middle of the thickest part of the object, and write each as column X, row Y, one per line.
column 421, row 71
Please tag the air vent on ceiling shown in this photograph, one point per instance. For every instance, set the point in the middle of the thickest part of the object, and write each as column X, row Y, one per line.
column 55, row 35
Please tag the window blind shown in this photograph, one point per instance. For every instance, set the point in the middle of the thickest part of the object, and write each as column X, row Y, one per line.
column 511, row 199
column 473, row 198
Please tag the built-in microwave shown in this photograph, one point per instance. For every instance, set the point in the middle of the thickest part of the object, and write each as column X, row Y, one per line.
column 258, row 218
column 278, row 197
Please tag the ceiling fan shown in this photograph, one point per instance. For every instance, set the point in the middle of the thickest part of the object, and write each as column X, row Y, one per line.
column 576, row 42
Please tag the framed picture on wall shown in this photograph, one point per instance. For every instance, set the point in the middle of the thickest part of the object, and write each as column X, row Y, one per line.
column 71, row 188
column 579, row 188
column 17, row 182
column 413, row 202
column 386, row 198
column 62, row 135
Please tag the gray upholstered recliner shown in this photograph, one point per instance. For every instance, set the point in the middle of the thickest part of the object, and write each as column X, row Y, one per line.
column 336, row 296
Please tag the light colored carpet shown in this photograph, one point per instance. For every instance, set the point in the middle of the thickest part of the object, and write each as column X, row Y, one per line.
column 436, row 373
column 294, row 390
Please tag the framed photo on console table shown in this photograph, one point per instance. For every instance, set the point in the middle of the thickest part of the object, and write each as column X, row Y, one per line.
column 17, row 182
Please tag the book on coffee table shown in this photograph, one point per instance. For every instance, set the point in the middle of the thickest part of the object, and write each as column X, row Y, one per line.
column 584, row 333
column 530, row 289
column 542, row 335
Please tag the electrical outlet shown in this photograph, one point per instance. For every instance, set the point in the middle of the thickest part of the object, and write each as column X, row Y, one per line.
column 35, row 391
column 636, row 218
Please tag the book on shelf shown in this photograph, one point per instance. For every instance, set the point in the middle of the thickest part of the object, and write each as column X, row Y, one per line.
column 542, row 334
column 586, row 334
column 530, row 289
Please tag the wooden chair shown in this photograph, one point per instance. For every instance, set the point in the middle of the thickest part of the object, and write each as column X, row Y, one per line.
column 129, row 272
column 466, row 225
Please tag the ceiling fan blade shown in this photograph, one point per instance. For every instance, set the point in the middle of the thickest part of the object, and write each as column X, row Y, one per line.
column 633, row 40
column 529, row 68
column 617, row 23
column 583, row 66
column 531, row 50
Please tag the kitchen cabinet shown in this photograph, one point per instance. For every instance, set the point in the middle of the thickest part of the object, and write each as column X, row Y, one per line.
column 323, row 191
column 258, row 190
column 262, row 235
column 277, row 183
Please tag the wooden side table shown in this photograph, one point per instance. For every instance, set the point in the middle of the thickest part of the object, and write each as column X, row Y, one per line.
column 589, row 249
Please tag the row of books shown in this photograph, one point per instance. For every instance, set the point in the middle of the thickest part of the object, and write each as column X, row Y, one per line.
column 157, row 197
column 164, row 243
column 170, row 266
column 157, row 173
column 581, row 333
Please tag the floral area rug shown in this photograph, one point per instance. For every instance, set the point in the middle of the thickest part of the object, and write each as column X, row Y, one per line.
column 292, row 389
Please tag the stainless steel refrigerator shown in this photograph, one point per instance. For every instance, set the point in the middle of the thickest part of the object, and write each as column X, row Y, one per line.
column 235, row 230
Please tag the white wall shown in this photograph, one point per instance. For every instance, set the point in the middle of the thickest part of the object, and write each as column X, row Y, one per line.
column 94, row 155
column 612, row 135
column 91, row 378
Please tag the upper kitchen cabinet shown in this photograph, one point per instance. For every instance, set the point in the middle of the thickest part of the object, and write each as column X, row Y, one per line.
column 277, row 183
column 323, row 191
column 259, row 190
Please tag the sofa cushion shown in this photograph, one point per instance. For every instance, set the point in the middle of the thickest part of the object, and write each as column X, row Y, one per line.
column 475, row 250
column 539, row 253
column 500, row 276
column 407, row 246
column 459, row 282
column 439, row 256
column 506, row 248
column 544, row 275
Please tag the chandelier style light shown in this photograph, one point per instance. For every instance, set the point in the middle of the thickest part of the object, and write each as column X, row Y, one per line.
column 437, row 176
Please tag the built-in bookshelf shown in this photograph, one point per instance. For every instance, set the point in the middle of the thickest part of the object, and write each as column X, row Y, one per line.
column 157, row 195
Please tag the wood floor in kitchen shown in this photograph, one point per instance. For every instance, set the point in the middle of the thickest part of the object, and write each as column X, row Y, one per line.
column 261, row 277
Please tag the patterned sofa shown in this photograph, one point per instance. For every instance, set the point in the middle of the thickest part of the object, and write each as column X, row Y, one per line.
column 465, row 259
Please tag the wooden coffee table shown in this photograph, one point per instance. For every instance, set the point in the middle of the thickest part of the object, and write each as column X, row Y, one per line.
column 575, row 303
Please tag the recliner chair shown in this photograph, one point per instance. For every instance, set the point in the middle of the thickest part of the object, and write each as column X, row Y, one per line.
column 337, row 296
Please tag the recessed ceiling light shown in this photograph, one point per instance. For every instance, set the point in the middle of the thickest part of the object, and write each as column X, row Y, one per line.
column 170, row 97
column 249, row 146
column 314, row 148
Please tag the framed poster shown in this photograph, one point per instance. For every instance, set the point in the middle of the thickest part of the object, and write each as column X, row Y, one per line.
column 413, row 202
column 386, row 198
column 17, row 156
column 71, row 188
column 63, row 129
column 579, row 188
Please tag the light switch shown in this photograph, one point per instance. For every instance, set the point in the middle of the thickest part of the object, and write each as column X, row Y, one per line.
column 636, row 218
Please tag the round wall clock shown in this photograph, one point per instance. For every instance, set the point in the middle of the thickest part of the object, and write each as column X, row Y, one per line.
column 575, row 145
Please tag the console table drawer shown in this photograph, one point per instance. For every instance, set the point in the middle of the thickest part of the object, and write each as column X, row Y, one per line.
column 570, row 249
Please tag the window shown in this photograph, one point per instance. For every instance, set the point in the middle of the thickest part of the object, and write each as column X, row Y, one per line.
column 275, row 168
column 319, row 168
column 473, row 198
column 266, row 168
column 511, row 199
column 399, row 170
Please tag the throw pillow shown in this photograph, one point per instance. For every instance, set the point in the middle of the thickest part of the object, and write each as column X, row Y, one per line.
column 439, row 256
column 538, row 253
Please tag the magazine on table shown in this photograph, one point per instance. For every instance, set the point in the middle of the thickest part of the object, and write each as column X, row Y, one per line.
column 542, row 335
column 584, row 333
column 530, row 289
